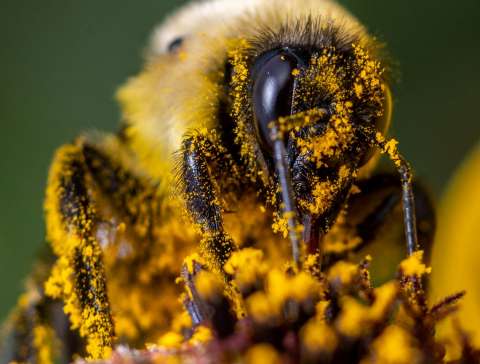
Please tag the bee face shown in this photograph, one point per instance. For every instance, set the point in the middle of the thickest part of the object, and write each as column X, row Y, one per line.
column 233, row 70
column 224, row 65
column 319, row 88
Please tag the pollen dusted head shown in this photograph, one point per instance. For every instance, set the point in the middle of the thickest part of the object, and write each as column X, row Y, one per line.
column 315, row 86
column 267, row 98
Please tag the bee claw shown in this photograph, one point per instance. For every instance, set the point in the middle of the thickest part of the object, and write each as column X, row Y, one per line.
column 196, row 307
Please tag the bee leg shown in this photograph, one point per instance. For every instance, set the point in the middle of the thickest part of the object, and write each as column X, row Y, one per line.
column 197, row 308
column 202, row 201
column 18, row 342
column 98, row 204
column 78, row 276
column 37, row 330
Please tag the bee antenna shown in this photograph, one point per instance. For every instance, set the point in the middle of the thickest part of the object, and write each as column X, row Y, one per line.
column 408, row 203
column 285, row 181
column 389, row 147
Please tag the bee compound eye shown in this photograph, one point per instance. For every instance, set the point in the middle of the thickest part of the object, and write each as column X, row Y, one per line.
column 175, row 44
column 273, row 84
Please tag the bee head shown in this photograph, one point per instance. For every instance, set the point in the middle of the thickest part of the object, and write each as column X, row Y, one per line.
column 316, row 94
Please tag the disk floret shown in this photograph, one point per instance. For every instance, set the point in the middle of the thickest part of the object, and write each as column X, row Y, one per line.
column 332, row 316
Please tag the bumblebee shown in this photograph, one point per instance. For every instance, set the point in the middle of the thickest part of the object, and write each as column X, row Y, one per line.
column 252, row 123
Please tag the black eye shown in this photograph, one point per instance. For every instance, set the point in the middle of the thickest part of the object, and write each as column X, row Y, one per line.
column 273, row 84
column 175, row 44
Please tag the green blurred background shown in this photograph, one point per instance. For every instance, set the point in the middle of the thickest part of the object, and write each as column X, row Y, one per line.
column 61, row 61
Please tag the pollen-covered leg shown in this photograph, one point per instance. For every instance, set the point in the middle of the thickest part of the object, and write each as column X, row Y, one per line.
column 28, row 337
column 202, row 199
column 78, row 276
column 104, row 212
column 37, row 329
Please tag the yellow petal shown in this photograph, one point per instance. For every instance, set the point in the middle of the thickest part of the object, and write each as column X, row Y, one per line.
column 456, row 251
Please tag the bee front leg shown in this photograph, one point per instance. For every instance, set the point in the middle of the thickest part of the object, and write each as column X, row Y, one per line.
column 202, row 201
column 78, row 276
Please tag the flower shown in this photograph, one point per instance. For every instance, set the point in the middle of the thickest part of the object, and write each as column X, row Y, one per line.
column 287, row 316
column 456, row 252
